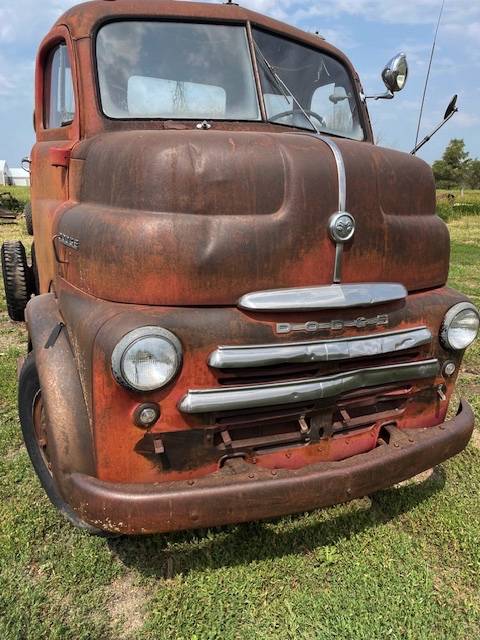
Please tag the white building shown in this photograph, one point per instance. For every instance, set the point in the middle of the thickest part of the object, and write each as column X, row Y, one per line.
column 19, row 177
column 4, row 173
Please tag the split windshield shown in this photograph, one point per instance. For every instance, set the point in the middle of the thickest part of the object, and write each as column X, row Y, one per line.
column 169, row 70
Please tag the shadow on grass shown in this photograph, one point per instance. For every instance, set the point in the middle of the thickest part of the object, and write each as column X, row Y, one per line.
column 166, row 556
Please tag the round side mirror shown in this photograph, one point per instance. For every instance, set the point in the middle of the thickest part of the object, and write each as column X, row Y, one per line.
column 395, row 73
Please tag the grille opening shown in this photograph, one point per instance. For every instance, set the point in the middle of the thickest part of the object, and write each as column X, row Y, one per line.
column 358, row 412
column 271, row 431
column 255, row 438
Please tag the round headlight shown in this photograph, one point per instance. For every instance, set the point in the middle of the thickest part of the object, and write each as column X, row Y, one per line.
column 146, row 358
column 460, row 326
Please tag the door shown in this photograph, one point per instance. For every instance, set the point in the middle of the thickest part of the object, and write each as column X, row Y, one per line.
column 57, row 131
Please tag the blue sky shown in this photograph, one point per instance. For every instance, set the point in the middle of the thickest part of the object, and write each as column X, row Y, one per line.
column 369, row 31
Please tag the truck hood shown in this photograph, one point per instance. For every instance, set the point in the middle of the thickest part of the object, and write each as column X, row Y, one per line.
column 182, row 217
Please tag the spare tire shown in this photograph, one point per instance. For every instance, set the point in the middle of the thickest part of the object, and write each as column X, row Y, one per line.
column 27, row 212
column 17, row 278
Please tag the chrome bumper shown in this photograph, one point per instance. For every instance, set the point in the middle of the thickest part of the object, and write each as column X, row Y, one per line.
column 267, row 395
column 261, row 355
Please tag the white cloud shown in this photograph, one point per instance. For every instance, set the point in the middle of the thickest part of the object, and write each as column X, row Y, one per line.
column 465, row 119
column 405, row 12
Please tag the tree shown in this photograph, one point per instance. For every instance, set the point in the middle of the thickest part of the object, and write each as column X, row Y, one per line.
column 453, row 169
column 473, row 174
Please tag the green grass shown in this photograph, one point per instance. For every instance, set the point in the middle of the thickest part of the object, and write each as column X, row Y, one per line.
column 403, row 564
column 463, row 204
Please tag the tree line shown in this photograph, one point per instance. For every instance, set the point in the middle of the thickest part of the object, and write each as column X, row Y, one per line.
column 456, row 169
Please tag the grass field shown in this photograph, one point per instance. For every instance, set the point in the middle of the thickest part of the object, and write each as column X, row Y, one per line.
column 402, row 564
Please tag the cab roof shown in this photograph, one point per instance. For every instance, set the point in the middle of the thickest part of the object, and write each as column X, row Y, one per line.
column 83, row 19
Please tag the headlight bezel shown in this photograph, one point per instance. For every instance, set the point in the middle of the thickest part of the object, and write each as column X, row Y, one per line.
column 448, row 319
column 129, row 340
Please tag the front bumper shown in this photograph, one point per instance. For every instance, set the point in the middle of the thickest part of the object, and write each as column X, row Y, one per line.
column 245, row 493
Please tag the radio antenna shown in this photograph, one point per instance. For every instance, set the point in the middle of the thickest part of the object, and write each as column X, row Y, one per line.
column 428, row 71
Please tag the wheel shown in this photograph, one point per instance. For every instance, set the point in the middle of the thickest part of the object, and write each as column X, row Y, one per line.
column 33, row 423
column 27, row 212
column 17, row 278
column 34, row 268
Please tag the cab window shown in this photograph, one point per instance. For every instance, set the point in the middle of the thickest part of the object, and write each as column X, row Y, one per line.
column 59, row 108
column 176, row 70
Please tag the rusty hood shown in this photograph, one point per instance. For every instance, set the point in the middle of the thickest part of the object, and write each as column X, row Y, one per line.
column 193, row 217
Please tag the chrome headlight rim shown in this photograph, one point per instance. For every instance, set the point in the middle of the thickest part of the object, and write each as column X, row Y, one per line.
column 450, row 316
column 134, row 336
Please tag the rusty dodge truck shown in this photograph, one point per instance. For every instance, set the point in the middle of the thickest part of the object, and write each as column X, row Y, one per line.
column 236, row 302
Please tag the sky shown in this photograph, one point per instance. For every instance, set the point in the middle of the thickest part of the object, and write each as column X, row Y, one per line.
column 370, row 32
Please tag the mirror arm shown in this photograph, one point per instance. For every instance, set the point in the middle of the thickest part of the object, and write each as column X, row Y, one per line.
column 382, row 96
column 430, row 135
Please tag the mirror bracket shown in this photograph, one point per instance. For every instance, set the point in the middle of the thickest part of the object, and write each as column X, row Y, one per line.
column 381, row 96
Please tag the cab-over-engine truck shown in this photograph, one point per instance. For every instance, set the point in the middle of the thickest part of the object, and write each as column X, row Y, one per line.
column 237, row 306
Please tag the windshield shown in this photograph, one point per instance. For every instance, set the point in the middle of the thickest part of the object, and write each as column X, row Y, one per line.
column 176, row 70
column 303, row 87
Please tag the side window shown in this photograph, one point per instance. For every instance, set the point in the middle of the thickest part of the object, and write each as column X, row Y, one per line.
column 59, row 108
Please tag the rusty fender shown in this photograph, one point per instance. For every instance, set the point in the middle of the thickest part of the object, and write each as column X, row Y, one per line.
column 241, row 492
column 68, row 427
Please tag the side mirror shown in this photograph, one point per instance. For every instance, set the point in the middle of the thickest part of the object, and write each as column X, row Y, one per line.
column 25, row 164
column 394, row 76
column 395, row 73
column 449, row 113
column 452, row 107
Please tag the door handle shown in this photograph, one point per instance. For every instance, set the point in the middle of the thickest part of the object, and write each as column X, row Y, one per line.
column 60, row 156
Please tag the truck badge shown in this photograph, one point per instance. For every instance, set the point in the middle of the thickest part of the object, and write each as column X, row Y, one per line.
column 333, row 325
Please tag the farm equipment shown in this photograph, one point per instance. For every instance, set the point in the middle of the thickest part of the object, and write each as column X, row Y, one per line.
column 9, row 207
column 238, row 305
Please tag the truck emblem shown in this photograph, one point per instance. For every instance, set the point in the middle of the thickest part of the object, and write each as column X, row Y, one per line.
column 341, row 226
column 333, row 325
column 68, row 241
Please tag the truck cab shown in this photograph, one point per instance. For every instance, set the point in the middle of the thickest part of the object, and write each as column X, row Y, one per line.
column 239, row 306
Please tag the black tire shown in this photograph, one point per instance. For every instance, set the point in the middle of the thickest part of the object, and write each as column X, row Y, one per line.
column 27, row 212
column 34, row 268
column 17, row 278
column 29, row 393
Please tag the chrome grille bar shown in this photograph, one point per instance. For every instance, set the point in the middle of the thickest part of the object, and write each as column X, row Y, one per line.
column 334, row 296
column 226, row 357
column 266, row 395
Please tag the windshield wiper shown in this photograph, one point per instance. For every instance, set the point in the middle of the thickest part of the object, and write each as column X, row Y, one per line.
column 284, row 89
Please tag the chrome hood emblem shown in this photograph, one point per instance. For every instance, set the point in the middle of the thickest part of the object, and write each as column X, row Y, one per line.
column 341, row 226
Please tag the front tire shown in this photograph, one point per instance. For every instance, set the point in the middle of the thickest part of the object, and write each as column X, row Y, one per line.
column 32, row 420
column 27, row 212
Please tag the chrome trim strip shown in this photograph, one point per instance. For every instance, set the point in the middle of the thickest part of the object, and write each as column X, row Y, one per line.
column 337, row 268
column 342, row 178
column 261, row 355
column 342, row 195
column 273, row 394
column 334, row 296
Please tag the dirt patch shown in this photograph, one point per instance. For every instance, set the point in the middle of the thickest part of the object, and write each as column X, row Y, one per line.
column 11, row 334
column 418, row 479
column 126, row 601
column 476, row 438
